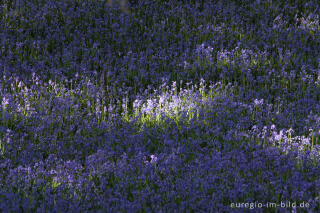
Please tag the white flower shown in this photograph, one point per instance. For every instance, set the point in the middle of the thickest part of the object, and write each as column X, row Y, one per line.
column 5, row 102
column 20, row 84
column 154, row 159
column 258, row 102
column 278, row 137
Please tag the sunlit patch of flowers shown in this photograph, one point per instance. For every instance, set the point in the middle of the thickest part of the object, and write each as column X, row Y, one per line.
column 287, row 142
column 310, row 22
column 242, row 57
column 179, row 105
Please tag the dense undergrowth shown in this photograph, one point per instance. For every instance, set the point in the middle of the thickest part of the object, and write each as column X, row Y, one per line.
column 177, row 106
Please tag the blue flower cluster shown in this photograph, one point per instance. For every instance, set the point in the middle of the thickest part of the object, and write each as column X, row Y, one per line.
column 175, row 106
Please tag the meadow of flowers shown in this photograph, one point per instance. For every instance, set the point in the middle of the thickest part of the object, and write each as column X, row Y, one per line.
column 177, row 106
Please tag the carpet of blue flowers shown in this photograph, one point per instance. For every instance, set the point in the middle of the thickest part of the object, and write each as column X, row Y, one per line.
column 176, row 106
